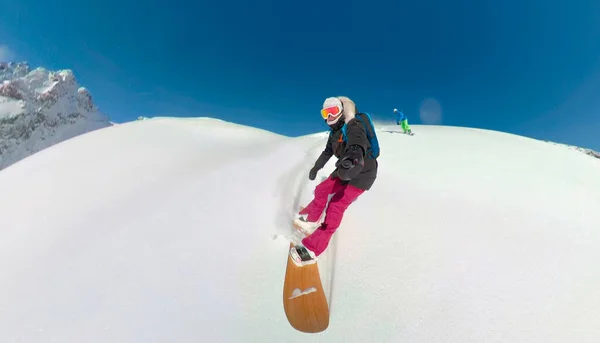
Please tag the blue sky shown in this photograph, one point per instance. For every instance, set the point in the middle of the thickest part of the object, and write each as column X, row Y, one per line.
column 525, row 67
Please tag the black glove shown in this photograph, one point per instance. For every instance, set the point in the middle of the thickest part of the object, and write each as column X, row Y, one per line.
column 313, row 173
column 352, row 163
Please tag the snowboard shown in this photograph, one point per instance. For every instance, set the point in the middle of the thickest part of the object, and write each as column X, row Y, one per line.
column 304, row 300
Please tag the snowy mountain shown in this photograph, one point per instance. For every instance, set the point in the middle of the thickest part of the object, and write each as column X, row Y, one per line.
column 171, row 230
column 39, row 108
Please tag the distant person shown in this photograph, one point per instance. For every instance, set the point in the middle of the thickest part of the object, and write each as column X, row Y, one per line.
column 353, row 141
column 401, row 119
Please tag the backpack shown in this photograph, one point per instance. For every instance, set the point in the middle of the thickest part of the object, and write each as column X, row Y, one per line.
column 373, row 151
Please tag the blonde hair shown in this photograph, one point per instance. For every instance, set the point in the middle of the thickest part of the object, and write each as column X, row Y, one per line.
column 349, row 108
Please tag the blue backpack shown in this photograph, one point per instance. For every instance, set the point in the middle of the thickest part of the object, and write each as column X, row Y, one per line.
column 373, row 151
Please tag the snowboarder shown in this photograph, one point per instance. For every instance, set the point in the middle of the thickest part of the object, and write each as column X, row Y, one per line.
column 355, row 172
column 401, row 119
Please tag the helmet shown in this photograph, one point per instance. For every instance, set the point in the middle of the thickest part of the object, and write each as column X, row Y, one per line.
column 332, row 110
column 395, row 110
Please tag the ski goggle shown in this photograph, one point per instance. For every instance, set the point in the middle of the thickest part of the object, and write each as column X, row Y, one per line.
column 332, row 111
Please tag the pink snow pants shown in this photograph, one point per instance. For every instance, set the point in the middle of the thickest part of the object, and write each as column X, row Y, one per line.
column 344, row 195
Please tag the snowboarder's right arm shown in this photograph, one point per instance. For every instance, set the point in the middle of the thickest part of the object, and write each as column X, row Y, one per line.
column 322, row 160
column 325, row 155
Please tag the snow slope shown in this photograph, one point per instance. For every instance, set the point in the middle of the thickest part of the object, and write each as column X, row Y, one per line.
column 39, row 108
column 170, row 230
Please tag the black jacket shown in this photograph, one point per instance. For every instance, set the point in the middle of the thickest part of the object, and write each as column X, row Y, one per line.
column 356, row 135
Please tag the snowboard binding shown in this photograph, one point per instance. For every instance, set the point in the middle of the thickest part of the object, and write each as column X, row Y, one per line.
column 305, row 228
column 302, row 256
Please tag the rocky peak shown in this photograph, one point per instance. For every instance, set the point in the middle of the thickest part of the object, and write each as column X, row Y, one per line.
column 39, row 108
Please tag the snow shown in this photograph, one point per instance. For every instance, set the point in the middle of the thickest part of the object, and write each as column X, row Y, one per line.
column 10, row 107
column 45, row 87
column 589, row 152
column 171, row 230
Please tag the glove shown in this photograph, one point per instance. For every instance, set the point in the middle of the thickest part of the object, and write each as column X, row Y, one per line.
column 352, row 163
column 313, row 173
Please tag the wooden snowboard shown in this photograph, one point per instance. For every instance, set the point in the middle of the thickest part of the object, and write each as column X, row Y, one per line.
column 304, row 300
